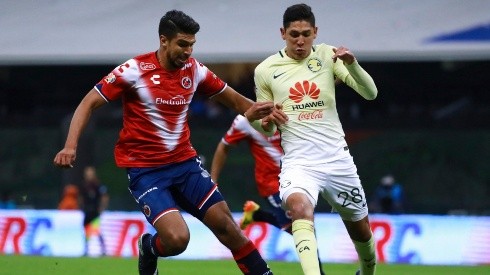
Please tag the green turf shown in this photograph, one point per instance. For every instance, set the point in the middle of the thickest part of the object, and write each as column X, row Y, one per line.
column 29, row 265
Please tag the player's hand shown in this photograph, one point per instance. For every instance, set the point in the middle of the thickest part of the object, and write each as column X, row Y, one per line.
column 259, row 110
column 343, row 54
column 278, row 116
column 65, row 158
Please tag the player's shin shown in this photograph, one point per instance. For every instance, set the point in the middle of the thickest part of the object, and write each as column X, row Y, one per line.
column 367, row 256
column 306, row 246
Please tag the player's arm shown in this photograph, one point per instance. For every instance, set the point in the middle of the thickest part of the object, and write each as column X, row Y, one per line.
column 242, row 105
column 104, row 201
column 66, row 157
column 355, row 77
column 253, row 111
column 219, row 160
column 268, row 125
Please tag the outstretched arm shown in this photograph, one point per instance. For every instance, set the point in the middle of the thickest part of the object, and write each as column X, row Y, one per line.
column 236, row 101
column 358, row 78
column 66, row 157
column 253, row 111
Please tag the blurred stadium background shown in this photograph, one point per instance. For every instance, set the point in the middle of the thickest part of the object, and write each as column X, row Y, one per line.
column 429, row 126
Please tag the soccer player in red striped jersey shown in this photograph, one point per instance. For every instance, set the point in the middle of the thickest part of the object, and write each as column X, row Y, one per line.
column 154, row 145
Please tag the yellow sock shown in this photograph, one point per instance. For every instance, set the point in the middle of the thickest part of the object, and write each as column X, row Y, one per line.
column 306, row 247
column 367, row 256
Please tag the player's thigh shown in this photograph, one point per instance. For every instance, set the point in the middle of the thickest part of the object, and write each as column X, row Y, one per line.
column 151, row 190
column 344, row 192
column 197, row 193
column 299, row 179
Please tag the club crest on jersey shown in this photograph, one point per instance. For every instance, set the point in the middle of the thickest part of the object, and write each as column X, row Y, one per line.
column 147, row 66
column 146, row 210
column 110, row 78
column 314, row 64
column 186, row 82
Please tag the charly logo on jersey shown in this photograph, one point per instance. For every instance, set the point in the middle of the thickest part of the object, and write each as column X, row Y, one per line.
column 110, row 78
column 186, row 82
column 176, row 100
column 314, row 64
column 147, row 66
column 154, row 78
column 299, row 92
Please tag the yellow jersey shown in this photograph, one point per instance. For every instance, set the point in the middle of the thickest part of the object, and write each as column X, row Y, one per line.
column 306, row 90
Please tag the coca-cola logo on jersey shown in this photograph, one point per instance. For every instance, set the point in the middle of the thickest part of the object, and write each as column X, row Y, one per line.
column 310, row 115
column 147, row 66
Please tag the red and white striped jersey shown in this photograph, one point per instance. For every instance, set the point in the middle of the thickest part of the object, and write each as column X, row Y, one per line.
column 266, row 151
column 155, row 105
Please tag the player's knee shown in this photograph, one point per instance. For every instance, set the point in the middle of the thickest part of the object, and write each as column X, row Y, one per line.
column 359, row 231
column 301, row 211
column 175, row 243
column 299, row 206
column 361, row 236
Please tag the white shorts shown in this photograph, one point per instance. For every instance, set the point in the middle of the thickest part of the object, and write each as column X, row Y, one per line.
column 337, row 182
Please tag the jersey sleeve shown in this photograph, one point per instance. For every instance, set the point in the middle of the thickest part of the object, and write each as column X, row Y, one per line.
column 238, row 131
column 355, row 77
column 359, row 80
column 208, row 82
column 120, row 79
column 262, row 88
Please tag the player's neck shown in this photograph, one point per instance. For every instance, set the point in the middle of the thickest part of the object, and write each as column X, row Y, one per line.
column 163, row 61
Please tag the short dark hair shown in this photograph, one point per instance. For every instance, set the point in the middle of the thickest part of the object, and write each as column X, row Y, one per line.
column 298, row 12
column 174, row 22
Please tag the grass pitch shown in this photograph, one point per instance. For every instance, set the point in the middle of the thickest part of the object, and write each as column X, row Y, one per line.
column 32, row 265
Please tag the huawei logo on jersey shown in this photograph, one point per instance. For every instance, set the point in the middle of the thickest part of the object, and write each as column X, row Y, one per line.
column 300, row 90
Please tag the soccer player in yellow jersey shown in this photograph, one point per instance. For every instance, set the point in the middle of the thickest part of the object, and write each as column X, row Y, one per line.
column 300, row 79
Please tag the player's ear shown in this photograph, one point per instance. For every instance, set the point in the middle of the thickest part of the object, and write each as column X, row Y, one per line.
column 283, row 33
column 163, row 41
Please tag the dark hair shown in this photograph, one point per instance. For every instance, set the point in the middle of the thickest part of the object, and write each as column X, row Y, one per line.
column 298, row 12
column 174, row 22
